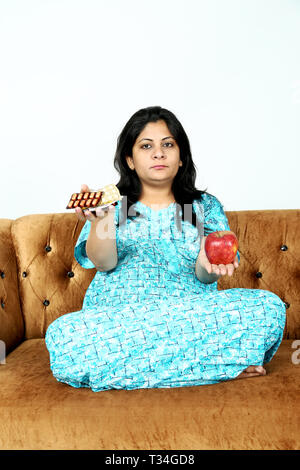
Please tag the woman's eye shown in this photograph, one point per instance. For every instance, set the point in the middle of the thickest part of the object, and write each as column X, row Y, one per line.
column 167, row 143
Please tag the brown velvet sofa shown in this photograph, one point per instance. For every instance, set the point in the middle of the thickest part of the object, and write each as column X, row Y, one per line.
column 40, row 280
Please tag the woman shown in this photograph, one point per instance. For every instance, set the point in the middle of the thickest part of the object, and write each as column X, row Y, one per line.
column 152, row 317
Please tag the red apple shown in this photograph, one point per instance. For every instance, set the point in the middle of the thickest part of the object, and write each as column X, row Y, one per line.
column 221, row 247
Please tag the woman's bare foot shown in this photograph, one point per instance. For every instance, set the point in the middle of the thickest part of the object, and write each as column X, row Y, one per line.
column 251, row 371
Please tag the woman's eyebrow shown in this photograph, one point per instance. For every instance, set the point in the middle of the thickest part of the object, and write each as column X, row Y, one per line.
column 169, row 136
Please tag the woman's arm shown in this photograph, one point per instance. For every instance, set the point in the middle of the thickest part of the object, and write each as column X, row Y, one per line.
column 101, row 246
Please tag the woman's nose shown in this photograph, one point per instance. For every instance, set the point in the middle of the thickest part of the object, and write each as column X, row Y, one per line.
column 158, row 152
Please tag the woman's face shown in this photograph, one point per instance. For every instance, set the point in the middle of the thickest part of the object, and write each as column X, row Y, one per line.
column 155, row 145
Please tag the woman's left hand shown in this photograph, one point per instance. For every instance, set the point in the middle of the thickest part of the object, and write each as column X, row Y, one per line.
column 219, row 269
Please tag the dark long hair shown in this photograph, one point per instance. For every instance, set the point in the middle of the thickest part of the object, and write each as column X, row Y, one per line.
column 183, row 186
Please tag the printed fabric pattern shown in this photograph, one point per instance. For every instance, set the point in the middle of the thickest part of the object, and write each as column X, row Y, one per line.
column 150, row 323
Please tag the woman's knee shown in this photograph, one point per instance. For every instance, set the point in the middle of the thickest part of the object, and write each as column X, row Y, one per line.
column 275, row 300
column 276, row 307
column 51, row 333
column 56, row 328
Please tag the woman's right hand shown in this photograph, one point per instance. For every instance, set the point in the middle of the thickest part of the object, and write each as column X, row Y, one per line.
column 99, row 213
column 219, row 269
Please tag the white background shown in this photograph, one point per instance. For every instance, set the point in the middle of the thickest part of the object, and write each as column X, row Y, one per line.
column 72, row 72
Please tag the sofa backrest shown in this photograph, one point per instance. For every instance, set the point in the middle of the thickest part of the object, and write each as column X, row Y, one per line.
column 11, row 318
column 44, row 281
column 51, row 282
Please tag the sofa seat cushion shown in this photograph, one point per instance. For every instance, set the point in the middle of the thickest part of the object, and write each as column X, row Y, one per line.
column 38, row 412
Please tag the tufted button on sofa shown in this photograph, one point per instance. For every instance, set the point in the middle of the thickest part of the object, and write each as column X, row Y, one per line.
column 40, row 282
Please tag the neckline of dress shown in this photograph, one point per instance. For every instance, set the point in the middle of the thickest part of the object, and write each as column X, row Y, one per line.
column 153, row 211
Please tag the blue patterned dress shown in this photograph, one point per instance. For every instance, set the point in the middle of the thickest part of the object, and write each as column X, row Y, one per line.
column 150, row 322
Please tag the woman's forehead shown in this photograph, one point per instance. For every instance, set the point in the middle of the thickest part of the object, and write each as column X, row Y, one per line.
column 155, row 126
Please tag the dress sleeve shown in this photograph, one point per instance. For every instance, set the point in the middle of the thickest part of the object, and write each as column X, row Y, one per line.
column 79, row 250
column 214, row 217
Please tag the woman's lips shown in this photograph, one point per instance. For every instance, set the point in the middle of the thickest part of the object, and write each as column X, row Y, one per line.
column 158, row 167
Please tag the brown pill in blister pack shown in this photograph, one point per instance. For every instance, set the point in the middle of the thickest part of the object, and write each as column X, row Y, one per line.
column 85, row 200
column 94, row 202
column 105, row 196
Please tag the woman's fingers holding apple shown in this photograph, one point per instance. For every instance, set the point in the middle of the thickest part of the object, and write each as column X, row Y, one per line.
column 223, row 269
column 236, row 262
column 230, row 269
column 215, row 269
column 219, row 269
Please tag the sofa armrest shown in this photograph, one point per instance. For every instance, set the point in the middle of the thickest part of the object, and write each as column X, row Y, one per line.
column 11, row 318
